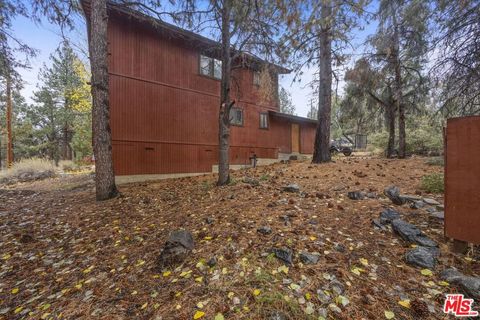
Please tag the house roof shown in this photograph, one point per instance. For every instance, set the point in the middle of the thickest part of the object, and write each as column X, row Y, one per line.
column 197, row 40
column 291, row 117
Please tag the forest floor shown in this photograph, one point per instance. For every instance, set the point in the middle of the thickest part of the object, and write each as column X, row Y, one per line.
column 65, row 256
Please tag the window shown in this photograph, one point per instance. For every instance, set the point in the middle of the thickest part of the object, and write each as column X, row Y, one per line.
column 236, row 116
column 210, row 67
column 263, row 120
column 256, row 78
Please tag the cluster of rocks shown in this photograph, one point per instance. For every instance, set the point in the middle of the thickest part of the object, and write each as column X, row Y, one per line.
column 425, row 254
column 469, row 285
column 360, row 195
column 433, row 207
column 286, row 256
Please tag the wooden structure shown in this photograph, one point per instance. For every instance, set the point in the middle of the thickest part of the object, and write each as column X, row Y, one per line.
column 462, row 179
column 164, row 108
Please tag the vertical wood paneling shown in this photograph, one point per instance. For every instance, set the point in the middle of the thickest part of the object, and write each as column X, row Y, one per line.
column 164, row 114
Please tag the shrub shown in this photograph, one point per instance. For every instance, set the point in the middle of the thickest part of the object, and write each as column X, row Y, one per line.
column 68, row 166
column 436, row 161
column 424, row 140
column 433, row 183
column 28, row 170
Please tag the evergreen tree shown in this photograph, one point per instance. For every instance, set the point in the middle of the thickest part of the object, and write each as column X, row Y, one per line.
column 285, row 101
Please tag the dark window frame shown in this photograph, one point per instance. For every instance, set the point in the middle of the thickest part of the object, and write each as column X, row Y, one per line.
column 267, row 121
column 256, row 72
column 211, row 71
column 243, row 117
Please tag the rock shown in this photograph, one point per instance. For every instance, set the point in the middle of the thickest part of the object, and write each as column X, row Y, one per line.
column 469, row 285
column 377, row 224
column 264, row 230
column 334, row 308
column 431, row 210
column 431, row 202
column 356, row 195
column 291, row 188
column 339, row 247
column 337, row 286
column 212, row 262
column 393, row 193
column 439, row 215
column 322, row 313
column 388, row 215
column 277, row 315
column 417, row 204
column 293, row 157
column 411, row 198
column 423, row 257
column 236, row 300
column 179, row 244
column 209, row 220
column 323, row 297
column 411, row 233
column 284, row 254
column 309, row 258
column 372, row 195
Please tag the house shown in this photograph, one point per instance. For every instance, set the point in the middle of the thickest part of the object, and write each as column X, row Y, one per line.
column 164, row 102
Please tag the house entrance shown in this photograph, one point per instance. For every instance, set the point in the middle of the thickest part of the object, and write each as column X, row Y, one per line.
column 295, row 138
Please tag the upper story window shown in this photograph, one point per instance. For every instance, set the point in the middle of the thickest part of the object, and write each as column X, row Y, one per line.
column 236, row 116
column 256, row 78
column 263, row 120
column 210, row 67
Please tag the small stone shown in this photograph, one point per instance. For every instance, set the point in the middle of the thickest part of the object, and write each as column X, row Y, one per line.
column 209, row 220
column 236, row 300
column 339, row 247
column 439, row 215
column 469, row 285
column 323, row 297
column 356, row 195
column 388, row 215
column 411, row 233
column 337, row 287
column 178, row 245
column 372, row 195
column 292, row 188
column 323, row 313
column 264, row 230
column 431, row 201
column 393, row 193
column 284, row 254
column 308, row 258
column 212, row 262
column 251, row 181
column 423, row 257
column 417, row 205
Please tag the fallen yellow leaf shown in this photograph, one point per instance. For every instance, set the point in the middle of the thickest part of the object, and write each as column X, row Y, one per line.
column 14, row 290
column 404, row 303
column 256, row 292
column 389, row 315
column 198, row 315
column 426, row 272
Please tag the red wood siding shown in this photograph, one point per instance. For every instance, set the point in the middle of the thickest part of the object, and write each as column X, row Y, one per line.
column 164, row 113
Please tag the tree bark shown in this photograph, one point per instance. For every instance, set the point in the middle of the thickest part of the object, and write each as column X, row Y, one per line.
column 225, row 102
column 321, row 152
column 102, row 137
column 9, row 122
column 390, row 117
column 398, row 91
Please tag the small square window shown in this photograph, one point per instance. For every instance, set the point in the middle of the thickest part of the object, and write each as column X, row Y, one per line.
column 256, row 78
column 263, row 120
column 236, row 116
column 210, row 67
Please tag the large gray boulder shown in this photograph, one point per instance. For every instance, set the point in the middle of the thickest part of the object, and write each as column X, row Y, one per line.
column 423, row 257
column 469, row 285
column 388, row 215
column 411, row 233
column 176, row 249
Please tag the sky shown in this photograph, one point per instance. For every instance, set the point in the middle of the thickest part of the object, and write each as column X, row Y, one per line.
column 45, row 38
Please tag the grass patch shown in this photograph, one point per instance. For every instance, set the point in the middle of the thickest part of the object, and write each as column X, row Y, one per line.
column 28, row 170
column 436, row 161
column 433, row 183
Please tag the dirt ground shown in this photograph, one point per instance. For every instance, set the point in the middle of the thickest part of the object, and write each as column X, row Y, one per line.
column 65, row 256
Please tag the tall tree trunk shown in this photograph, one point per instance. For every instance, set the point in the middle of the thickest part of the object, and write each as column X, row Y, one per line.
column 398, row 90
column 390, row 117
column 102, row 137
column 321, row 152
column 225, row 102
column 9, row 122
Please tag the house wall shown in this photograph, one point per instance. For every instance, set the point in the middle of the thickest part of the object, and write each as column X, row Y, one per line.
column 164, row 114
